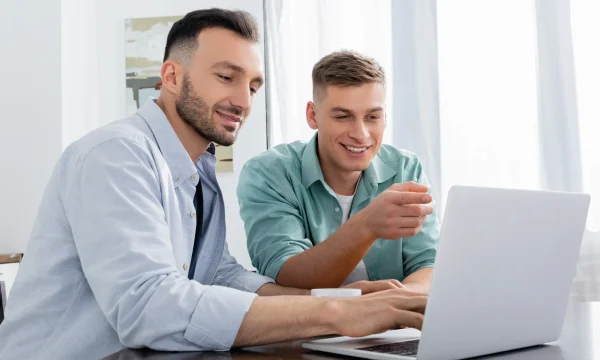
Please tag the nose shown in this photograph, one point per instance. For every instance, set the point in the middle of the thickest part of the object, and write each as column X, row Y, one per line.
column 242, row 98
column 359, row 131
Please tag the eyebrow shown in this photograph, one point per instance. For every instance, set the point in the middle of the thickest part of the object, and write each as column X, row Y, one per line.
column 238, row 69
column 375, row 109
column 343, row 109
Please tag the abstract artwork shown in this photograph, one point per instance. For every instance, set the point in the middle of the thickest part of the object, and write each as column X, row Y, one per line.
column 145, row 40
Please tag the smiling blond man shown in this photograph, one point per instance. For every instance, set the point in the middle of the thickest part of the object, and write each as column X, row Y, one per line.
column 343, row 207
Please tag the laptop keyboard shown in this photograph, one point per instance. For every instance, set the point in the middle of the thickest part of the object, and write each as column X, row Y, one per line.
column 406, row 348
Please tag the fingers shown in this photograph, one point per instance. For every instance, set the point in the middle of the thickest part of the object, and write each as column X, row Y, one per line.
column 411, row 222
column 381, row 285
column 404, row 299
column 414, row 210
column 394, row 294
column 410, row 186
column 404, row 198
column 369, row 287
column 415, row 303
column 408, row 319
column 409, row 232
column 403, row 233
column 396, row 282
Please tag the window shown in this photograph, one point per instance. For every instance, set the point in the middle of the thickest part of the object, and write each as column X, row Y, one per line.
column 488, row 94
column 585, row 16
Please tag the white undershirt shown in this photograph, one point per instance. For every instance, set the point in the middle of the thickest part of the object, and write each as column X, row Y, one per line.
column 360, row 272
column 345, row 203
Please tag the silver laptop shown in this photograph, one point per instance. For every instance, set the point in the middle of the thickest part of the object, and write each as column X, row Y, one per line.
column 502, row 277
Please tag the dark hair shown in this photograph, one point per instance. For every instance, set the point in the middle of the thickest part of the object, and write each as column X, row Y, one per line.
column 184, row 33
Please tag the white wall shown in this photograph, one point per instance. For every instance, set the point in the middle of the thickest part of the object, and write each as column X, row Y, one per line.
column 30, row 123
column 79, row 69
column 111, row 90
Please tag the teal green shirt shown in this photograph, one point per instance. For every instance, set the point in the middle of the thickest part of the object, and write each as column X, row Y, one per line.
column 288, row 208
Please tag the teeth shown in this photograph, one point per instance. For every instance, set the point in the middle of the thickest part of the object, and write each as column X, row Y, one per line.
column 356, row 150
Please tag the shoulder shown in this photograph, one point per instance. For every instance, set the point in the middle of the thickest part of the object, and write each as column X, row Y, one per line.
column 114, row 141
column 284, row 158
column 398, row 158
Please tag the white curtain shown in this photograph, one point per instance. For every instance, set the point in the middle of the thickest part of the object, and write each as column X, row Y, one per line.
column 488, row 109
column 585, row 20
column 298, row 34
column 519, row 103
column 415, row 77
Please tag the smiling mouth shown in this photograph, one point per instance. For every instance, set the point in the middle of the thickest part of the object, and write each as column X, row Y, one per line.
column 356, row 150
column 230, row 117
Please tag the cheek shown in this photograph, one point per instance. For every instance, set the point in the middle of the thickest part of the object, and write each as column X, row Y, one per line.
column 377, row 131
column 212, row 93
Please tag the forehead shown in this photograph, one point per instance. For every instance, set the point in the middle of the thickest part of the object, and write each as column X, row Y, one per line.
column 217, row 45
column 354, row 97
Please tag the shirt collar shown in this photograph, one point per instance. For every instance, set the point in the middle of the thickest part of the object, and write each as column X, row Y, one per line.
column 177, row 158
column 211, row 148
column 311, row 169
column 377, row 172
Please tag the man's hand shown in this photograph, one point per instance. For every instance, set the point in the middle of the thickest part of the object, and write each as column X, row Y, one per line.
column 368, row 287
column 378, row 312
column 273, row 319
column 398, row 212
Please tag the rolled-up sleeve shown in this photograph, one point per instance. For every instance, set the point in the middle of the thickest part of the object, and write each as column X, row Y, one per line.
column 420, row 250
column 112, row 199
column 272, row 220
column 231, row 274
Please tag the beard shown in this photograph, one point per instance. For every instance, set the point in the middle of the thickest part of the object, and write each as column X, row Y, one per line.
column 195, row 112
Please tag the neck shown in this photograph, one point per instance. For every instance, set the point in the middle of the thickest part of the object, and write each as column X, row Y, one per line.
column 340, row 181
column 194, row 143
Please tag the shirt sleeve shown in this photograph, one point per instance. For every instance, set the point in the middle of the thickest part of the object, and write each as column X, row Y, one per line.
column 231, row 274
column 112, row 199
column 272, row 219
column 419, row 251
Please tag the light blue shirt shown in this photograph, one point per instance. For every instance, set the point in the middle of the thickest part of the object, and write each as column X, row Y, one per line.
column 106, row 265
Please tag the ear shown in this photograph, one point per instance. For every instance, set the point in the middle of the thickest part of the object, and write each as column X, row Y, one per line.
column 311, row 115
column 168, row 76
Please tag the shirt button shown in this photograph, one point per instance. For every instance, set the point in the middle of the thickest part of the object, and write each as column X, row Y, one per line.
column 185, row 267
column 337, row 209
column 194, row 177
column 192, row 214
column 176, row 178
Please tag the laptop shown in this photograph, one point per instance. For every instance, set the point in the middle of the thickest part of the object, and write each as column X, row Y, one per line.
column 503, row 272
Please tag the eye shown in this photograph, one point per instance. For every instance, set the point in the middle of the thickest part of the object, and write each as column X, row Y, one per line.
column 373, row 117
column 341, row 117
column 253, row 91
column 223, row 77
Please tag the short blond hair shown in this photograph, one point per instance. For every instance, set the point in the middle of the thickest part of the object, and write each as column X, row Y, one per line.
column 345, row 68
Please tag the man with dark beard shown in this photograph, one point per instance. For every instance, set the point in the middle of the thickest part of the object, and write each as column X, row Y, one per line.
column 128, row 249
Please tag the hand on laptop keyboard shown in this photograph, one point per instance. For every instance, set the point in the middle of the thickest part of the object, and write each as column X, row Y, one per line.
column 378, row 312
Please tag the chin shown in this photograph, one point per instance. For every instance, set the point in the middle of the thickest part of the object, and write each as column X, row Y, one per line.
column 355, row 166
column 228, row 137
column 360, row 164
